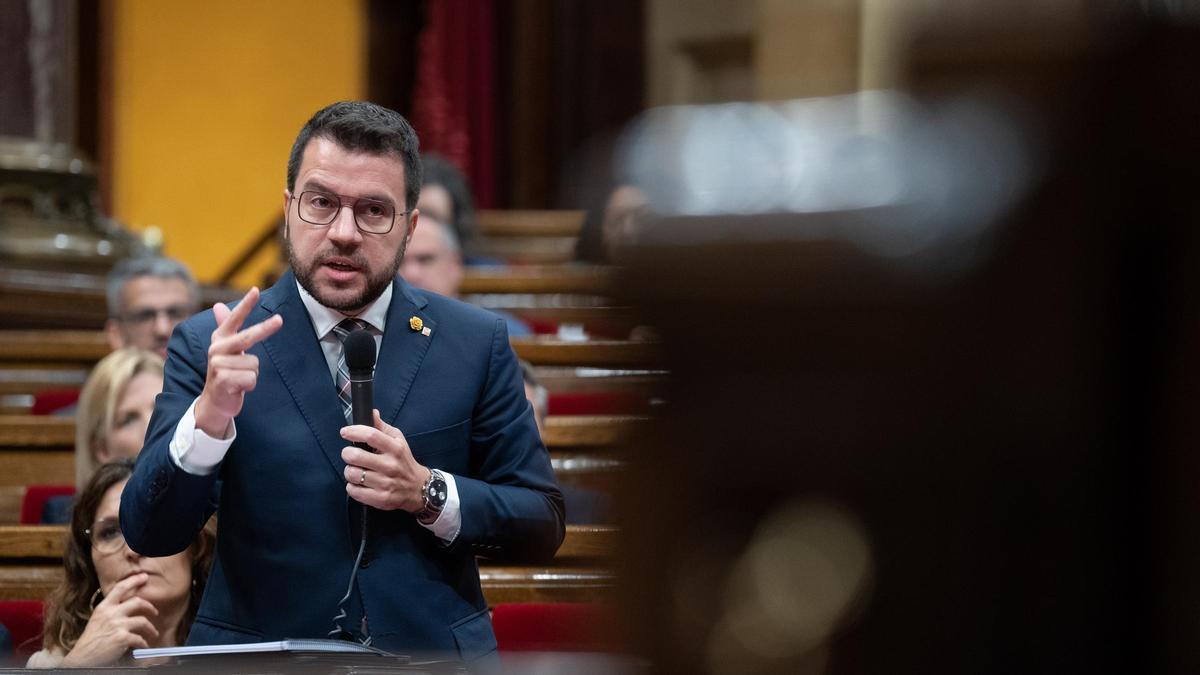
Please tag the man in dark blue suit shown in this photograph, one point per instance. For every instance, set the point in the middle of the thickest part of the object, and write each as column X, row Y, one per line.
column 251, row 417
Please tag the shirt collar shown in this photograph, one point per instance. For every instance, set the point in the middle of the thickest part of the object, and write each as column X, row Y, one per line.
column 324, row 318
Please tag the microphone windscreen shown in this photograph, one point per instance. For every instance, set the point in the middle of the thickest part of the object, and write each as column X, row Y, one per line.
column 360, row 351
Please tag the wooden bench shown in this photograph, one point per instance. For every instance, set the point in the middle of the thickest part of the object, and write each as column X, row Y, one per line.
column 39, row 450
column 71, row 348
column 529, row 223
column 31, row 566
column 43, row 299
column 528, row 236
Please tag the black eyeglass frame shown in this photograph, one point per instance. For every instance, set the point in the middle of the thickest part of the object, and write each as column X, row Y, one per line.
column 342, row 200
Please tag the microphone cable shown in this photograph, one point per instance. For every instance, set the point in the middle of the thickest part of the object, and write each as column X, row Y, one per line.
column 338, row 632
column 358, row 349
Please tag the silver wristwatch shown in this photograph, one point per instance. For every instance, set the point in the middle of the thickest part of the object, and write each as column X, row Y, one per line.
column 434, row 493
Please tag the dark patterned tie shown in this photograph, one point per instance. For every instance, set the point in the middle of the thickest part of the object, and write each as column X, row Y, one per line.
column 342, row 381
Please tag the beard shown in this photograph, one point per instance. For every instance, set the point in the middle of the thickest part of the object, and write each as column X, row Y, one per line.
column 376, row 282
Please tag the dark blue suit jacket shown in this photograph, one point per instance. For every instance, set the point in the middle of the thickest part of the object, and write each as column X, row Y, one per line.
column 286, row 529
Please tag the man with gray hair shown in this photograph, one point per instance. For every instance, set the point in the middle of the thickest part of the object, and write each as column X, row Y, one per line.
column 147, row 297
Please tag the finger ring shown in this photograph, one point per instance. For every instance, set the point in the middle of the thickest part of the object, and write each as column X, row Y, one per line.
column 362, row 478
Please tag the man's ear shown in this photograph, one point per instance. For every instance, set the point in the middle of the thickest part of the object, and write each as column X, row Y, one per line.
column 287, row 205
column 412, row 225
column 112, row 331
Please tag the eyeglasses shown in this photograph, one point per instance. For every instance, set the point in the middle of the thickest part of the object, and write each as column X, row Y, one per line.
column 106, row 536
column 370, row 215
column 147, row 315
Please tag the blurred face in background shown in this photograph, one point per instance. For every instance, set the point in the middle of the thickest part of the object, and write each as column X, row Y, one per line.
column 151, row 308
column 626, row 205
column 435, row 204
column 131, row 417
column 432, row 261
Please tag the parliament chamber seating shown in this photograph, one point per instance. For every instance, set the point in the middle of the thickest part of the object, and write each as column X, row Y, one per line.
column 600, row 389
column 552, row 627
column 24, row 619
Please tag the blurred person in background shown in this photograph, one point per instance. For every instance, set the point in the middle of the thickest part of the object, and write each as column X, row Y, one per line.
column 583, row 506
column 110, row 423
column 433, row 261
column 607, row 229
column 147, row 297
column 112, row 600
column 445, row 197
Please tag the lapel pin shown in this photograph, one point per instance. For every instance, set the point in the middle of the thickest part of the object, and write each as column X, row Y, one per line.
column 425, row 331
column 416, row 323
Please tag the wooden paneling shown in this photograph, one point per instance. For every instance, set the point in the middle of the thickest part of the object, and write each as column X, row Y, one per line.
column 538, row 279
column 37, row 431
column 36, row 467
column 27, row 570
column 501, row 584
column 87, row 347
column 516, row 223
column 46, row 541
column 602, row 353
column 59, row 346
column 589, row 430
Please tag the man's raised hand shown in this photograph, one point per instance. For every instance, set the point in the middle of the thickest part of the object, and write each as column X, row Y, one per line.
column 231, row 371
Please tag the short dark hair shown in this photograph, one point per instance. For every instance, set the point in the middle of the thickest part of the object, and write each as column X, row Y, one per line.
column 439, row 171
column 363, row 127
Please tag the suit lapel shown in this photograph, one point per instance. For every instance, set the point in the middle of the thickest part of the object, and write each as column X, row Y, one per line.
column 402, row 351
column 301, row 364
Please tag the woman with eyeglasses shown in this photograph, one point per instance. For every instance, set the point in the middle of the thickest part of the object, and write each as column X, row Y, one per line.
column 111, row 599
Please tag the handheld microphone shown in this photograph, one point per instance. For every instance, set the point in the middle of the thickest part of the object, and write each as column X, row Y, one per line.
column 359, row 349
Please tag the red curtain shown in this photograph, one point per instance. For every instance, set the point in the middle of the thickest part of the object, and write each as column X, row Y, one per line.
column 454, row 103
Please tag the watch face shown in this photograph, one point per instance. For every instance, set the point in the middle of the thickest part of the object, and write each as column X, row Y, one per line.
column 437, row 493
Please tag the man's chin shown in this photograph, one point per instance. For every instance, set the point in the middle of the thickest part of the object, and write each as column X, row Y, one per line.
column 345, row 300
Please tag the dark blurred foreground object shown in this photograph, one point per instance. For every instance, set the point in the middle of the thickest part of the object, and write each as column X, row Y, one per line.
column 871, row 467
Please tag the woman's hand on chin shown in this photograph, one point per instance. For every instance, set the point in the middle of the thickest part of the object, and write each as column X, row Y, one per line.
column 121, row 622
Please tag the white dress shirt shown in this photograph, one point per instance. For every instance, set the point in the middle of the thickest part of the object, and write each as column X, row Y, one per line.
column 198, row 453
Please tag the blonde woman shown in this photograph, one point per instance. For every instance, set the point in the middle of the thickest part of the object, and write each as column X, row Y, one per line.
column 114, row 409
column 111, row 418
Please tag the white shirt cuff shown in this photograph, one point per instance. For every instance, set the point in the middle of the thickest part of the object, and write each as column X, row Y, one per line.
column 195, row 451
column 449, row 521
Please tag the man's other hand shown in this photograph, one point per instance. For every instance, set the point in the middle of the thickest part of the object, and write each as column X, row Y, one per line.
column 388, row 479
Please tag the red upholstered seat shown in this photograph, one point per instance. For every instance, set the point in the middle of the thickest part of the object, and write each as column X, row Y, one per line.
column 24, row 621
column 50, row 401
column 35, row 500
column 551, row 627
column 597, row 403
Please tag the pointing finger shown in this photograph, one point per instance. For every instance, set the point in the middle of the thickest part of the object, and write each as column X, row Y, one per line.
column 259, row 332
column 240, row 341
column 233, row 322
column 220, row 312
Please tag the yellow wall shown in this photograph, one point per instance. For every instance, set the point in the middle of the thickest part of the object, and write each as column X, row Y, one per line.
column 207, row 99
